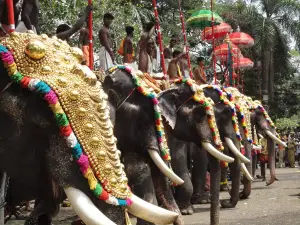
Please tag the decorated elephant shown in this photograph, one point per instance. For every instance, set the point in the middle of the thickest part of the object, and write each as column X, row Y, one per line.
column 42, row 76
column 138, row 110
column 261, row 124
column 227, row 122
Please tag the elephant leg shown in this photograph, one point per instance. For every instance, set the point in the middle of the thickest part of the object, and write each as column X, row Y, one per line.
column 199, row 177
column 183, row 193
column 247, row 183
column 224, row 182
column 215, row 177
column 138, row 172
column 235, row 170
column 164, row 193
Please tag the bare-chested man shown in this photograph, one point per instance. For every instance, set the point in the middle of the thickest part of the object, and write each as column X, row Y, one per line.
column 126, row 48
column 107, row 57
column 168, row 52
column 146, row 49
column 176, row 65
column 199, row 72
column 64, row 31
column 84, row 45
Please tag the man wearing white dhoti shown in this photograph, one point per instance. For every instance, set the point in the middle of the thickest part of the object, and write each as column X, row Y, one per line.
column 107, row 57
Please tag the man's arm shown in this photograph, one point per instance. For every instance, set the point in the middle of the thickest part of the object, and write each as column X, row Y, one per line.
column 103, row 36
column 68, row 33
column 1, row 13
column 26, row 12
column 178, row 58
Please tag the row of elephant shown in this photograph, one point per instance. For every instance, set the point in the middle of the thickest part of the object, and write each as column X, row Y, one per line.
column 186, row 122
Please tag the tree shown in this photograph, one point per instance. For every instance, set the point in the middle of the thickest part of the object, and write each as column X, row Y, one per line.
column 269, row 22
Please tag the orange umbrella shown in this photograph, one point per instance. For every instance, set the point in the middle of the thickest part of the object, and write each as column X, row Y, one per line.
column 241, row 39
column 219, row 32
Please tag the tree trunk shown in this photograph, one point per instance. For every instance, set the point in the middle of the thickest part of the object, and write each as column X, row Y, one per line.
column 265, row 72
column 271, row 76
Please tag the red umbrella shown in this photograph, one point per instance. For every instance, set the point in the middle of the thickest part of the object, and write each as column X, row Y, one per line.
column 221, row 51
column 219, row 32
column 243, row 63
column 241, row 39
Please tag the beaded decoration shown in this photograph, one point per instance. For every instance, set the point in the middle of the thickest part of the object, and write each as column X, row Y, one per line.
column 157, row 112
column 51, row 97
column 207, row 104
column 225, row 101
column 244, row 120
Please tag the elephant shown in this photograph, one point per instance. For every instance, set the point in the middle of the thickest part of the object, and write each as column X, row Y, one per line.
column 260, row 123
column 227, row 120
column 137, row 138
column 38, row 72
column 187, row 122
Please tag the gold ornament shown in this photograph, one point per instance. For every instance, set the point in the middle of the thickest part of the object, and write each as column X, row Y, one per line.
column 35, row 50
column 80, row 96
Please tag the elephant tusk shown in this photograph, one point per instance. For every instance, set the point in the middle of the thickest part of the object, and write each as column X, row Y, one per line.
column 260, row 135
column 164, row 168
column 257, row 147
column 246, row 172
column 235, row 151
column 85, row 208
column 276, row 139
column 150, row 212
column 216, row 153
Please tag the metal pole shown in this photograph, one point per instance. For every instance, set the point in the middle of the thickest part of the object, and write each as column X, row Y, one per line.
column 185, row 38
column 159, row 39
column 213, row 39
column 2, row 197
column 11, row 16
column 91, row 38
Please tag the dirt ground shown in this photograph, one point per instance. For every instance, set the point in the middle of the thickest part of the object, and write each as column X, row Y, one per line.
column 277, row 204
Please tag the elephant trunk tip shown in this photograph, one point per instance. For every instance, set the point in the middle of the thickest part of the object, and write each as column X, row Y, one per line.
column 271, row 181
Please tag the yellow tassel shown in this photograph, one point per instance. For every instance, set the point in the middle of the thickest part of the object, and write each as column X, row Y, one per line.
column 128, row 222
column 12, row 68
column 91, row 178
column 56, row 108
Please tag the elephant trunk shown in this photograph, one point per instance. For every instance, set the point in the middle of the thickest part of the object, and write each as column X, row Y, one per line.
column 216, row 153
column 91, row 215
column 247, row 182
column 271, row 156
column 235, row 151
column 164, row 168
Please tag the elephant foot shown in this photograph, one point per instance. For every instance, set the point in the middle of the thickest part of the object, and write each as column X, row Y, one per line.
column 187, row 211
column 77, row 222
column 224, row 187
column 31, row 221
column 201, row 198
column 227, row 203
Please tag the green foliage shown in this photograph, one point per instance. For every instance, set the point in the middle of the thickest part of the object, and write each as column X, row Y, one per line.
column 288, row 123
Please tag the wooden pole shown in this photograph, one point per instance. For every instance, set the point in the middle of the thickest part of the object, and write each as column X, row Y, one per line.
column 185, row 38
column 11, row 16
column 213, row 40
column 91, row 50
column 159, row 39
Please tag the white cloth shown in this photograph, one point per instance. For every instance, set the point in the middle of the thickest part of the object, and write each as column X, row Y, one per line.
column 21, row 28
column 105, row 59
column 157, row 61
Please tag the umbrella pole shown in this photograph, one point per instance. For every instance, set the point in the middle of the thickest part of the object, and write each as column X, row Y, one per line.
column 185, row 39
column 213, row 40
column 159, row 39
column 11, row 16
column 91, row 51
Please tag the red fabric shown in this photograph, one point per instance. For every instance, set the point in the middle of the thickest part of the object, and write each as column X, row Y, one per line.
column 263, row 158
column 66, row 130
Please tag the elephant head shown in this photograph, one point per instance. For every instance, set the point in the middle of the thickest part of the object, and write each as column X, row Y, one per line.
column 51, row 69
column 226, row 119
column 191, row 117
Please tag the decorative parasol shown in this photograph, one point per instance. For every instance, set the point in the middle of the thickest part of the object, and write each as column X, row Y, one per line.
column 203, row 18
column 221, row 51
column 241, row 39
column 219, row 32
column 243, row 63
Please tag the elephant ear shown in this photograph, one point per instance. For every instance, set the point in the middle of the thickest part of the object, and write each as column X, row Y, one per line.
column 167, row 105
